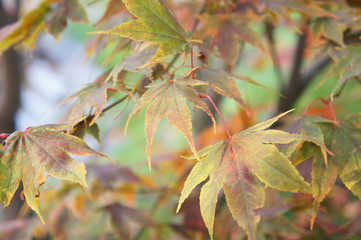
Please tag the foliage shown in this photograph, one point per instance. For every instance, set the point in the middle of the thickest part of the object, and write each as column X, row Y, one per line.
column 258, row 183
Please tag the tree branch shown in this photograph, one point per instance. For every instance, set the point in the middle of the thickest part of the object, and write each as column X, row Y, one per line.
column 291, row 90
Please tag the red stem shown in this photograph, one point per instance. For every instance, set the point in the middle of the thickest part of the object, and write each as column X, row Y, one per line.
column 328, row 102
column 332, row 110
column 309, row 105
column 220, row 115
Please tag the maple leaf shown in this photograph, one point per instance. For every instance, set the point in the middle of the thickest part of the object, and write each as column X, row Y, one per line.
column 228, row 30
column 348, row 66
column 343, row 138
column 284, row 7
column 113, row 7
column 133, row 62
column 26, row 30
column 331, row 29
column 169, row 98
column 28, row 154
column 154, row 23
column 239, row 165
column 82, row 127
column 223, row 83
column 71, row 10
column 93, row 95
column 306, row 125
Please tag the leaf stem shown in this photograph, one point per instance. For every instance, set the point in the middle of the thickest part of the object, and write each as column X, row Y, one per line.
column 324, row 101
column 332, row 110
column 309, row 105
column 215, row 107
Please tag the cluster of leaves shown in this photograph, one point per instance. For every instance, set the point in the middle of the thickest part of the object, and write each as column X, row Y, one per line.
column 243, row 165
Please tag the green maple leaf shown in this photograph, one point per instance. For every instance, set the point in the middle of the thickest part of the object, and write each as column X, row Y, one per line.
column 28, row 154
column 239, row 165
column 343, row 138
column 154, row 23
column 169, row 98
column 348, row 66
column 331, row 29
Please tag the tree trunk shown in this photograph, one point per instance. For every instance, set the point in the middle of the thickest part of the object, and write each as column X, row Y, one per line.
column 10, row 79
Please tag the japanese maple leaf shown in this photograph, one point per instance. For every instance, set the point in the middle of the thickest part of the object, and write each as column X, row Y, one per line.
column 239, row 165
column 347, row 66
column 114, row 7
column 343, row 138
column 283, row 8
column 168, row 98
column 223, row 83
column 154, row 23
column 305, row 125
column 26, row 30
column 72, row 10
column 227, row 31
column 28, row 154
column 93, row 95
column 133, row 62
column 331, row 29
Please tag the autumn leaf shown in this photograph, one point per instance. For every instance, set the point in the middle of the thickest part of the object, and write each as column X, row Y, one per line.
column 113, row 7
column 343, row 138
column 28, row 154
column 239, row 165
column 223, row 83
column 331, row 29
column 308, row 126
column 169, row 98
column 94, row 95
column 82, row 127
column 154, row 23
column 133, row 62
column 229, row 32
column 57, row 21
column 122, row 216
column 26, row 30
column 283, row 8
column 348, row 66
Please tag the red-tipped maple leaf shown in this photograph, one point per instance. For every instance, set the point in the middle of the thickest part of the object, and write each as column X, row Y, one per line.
column 239, row 165
column 168, row 98
column 28, row 154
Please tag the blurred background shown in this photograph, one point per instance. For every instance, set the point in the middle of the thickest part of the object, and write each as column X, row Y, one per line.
column 33, row 82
